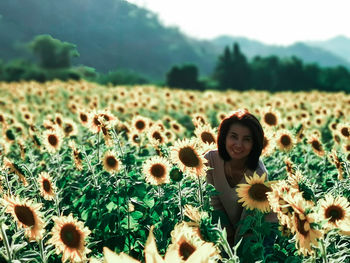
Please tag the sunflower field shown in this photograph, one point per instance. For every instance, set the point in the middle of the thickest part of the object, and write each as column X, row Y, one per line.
column 93, row 173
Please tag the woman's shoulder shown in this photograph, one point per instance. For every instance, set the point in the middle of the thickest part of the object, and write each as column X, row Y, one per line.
column 211, row 154
column 212, row 157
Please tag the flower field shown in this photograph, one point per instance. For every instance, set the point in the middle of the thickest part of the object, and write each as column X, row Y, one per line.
column 94, row 173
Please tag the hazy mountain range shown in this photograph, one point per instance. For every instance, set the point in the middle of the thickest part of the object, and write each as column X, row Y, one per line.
column 112, row 34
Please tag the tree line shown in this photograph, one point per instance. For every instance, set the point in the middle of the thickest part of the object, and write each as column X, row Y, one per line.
column 232, row 71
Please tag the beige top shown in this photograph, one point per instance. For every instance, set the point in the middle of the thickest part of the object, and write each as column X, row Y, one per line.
column 227, row 199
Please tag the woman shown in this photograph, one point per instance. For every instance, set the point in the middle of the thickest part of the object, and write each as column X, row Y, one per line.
column 240, row 142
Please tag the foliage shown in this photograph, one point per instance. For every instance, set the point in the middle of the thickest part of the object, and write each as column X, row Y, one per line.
column 185, row 77
column 53, row 53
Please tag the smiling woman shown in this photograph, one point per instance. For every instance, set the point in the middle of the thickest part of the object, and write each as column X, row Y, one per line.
column 240, row 143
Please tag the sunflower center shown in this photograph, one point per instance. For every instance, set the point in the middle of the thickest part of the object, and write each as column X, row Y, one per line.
column 301, row 226
column 83, row 117
column 257, row 192
column 10, row 135
column 140, row 125
column 345, row 132
column 316, row 145
column 70, row 236
column 68, row 129
column 270, row 119
column 111, row 161
column 96, row 121
column 46, row 185
column 207, row 137
column 157, row 136
column 157, row 170
column 59, row 121
column 24, row 215
column 186, row 250
column 334, row 213
column 53, row 139
column 188, row 157
column 285, row 140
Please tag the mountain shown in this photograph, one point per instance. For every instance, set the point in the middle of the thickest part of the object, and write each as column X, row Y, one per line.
column 307, row 52
column 339, row 45
column 115, row 34
column 109, row 34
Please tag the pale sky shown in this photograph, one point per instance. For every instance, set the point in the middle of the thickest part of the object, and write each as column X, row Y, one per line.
column 280, row 22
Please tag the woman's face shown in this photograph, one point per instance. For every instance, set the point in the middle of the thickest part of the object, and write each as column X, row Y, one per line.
column 239, row 141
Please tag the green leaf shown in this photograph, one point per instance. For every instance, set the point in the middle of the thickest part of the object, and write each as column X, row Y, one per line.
column 111, row 206
column 137, row 215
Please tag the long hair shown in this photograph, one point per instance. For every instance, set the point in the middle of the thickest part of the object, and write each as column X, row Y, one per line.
column 247, row 119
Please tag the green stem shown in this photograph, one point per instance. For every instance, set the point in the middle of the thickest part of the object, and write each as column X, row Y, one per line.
column 7, row 245
column 8, row 183
column 180, row 202
column 200, row 192
column 57, row 205
column 225, row 244
column 42, row 251
column 98, row 147
column 324, row 252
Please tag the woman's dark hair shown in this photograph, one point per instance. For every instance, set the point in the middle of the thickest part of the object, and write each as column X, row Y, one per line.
column 247, row 119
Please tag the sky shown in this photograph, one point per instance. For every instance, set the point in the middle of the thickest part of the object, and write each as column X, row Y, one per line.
column 278, row 22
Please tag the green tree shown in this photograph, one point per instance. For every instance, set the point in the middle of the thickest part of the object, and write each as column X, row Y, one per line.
column 185, row 77
column 232, row 70
column 53, row 53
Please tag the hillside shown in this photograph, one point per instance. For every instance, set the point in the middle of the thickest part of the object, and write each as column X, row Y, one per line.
column 115, row 34
column 339, row 45
column 307, row 52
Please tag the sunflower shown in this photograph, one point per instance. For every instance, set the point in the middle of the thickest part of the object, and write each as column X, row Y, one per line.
column 333, row 158
column 83, row 117
column 270, row 117
column 14, row 168
column 199, row 119
column 58, row 119
column 279, row 202
column 112, row 257
column 206, row 134
column 188, row 158
column 52, row 140
column 253, row 193
column 194, row 214
column 156, row 136
column 316, row 145
column 68, row 236
column 170, row 135
column 334, row 210
column 135, row 138
column 47, row 187
column 289, row 165
column 344, row 130
column 176, row 127
column 27, row 216
column 188, row 246
column 303, row 225
column 156, row 170
column 77, row 155
column 344, row 228
column 140, row 123
column 268, row 144
column 28, row 117
column 110, row 162
column 69, row 128
column 98, row 118
column 285, row 140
